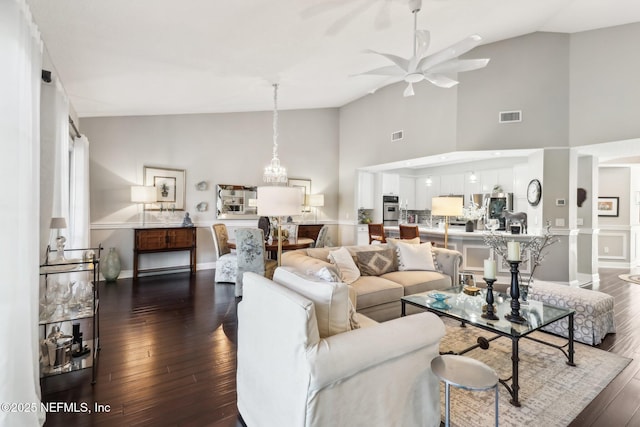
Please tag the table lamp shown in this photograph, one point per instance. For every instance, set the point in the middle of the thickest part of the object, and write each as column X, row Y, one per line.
column 446, row 207
column 59, row 223
column 315, row 201
column 142, row 194
column 279, row 202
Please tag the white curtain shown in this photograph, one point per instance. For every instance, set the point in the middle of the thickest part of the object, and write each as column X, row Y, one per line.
column 21, row 53
column 79, row 194
column 54, row 169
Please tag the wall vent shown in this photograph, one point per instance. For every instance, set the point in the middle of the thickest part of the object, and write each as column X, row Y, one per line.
column 397, row 136
column 510, row 116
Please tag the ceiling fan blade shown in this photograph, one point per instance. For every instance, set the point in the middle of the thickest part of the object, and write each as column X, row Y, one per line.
column 459, row 65
column 388, row 70
column 399, row 61
column 409, row 90
column 440, row 80
column 450, row 52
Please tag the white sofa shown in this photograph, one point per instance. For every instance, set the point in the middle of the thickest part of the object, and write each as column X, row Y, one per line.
column 379, row 296
column 301, row 364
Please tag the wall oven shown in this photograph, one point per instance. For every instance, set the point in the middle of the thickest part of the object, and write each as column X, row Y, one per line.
column 390, row 210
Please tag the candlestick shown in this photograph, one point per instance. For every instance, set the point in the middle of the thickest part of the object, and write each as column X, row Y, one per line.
column 489, row 314
column 489, row 269
column 513, row 251
column 515, row 316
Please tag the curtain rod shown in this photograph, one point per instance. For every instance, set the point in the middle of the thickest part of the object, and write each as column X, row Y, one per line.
column 75, row 129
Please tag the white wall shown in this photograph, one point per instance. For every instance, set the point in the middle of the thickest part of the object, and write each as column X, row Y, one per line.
column 217, row 148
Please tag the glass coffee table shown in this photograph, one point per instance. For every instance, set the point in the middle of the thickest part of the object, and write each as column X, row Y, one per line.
column 455, row 304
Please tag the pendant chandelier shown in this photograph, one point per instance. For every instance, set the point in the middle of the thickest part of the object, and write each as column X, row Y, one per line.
column 275, row 173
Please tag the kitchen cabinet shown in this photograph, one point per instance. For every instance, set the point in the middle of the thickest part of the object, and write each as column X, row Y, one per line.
column 365, row 198
column 362, row 234
column 452, row 184
column 407, row 192
column 424, row 192
column 391, row 184
column 166, row 239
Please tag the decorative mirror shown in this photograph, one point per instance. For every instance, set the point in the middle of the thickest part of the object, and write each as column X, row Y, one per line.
column 236, row 202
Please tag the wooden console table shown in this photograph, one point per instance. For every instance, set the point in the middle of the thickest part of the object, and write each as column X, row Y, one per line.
column 164, row 239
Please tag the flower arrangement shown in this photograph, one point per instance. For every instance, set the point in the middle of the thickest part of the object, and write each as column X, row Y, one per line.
column 472, row 212
column 533, row 251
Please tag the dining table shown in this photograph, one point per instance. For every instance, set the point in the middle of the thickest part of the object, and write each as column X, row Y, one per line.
column 271, row 245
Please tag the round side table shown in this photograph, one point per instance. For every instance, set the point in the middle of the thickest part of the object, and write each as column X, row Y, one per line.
column 464, row 373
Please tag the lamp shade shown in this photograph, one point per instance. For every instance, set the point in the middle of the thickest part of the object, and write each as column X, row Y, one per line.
column 143, row 194
column 279, row 201
column 315, row 200
column 446, row 206
column 58, row 223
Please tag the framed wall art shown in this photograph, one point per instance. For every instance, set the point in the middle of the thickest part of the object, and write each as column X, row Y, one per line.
column 608, row 206
column 305, row 188
column 170, row 187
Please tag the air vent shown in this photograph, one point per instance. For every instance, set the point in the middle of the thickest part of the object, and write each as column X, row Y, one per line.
column 397, row 136
column 510, row 116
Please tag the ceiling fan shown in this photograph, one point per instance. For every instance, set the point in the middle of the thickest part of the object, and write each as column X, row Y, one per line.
column 429, row 67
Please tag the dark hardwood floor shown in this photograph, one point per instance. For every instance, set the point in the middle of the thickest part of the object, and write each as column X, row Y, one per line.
column 168, row 357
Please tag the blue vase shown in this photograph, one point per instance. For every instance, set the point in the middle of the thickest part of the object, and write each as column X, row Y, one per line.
column 111, row 266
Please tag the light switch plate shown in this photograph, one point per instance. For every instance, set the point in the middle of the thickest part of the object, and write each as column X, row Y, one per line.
column 559, row 222
column 580, row 221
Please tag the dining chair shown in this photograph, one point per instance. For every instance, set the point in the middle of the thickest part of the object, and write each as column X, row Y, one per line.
column 250, row 250
column 323, row 238
column 409, row 231
column 292, row 231
column 376, row 233
column 227, row 262
column 265, row 225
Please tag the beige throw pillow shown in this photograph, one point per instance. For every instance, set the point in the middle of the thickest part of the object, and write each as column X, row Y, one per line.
column 376, row 263
column 415, row 257
column 347, row 268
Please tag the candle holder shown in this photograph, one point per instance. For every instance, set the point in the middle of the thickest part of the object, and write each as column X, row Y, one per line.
column 489, row 314
column 515, row 316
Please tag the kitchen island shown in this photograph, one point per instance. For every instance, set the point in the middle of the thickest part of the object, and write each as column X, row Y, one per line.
column 555, row 267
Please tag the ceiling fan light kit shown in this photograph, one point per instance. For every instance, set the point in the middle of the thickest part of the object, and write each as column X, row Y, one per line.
column 429, row 67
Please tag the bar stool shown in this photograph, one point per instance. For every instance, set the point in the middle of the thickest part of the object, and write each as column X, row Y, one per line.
column 465, row 373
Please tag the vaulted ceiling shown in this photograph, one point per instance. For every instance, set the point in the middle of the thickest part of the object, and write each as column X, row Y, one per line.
column 143, row 57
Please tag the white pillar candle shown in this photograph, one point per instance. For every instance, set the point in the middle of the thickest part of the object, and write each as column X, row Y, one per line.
column 489, row 269
column 513, row 251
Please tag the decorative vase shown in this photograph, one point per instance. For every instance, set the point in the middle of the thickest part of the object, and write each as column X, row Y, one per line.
column 111, row 266
column 468, row 226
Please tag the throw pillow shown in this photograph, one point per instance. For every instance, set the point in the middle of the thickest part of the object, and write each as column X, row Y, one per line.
column 415, row 257
column 327, row 274
column 376, row 263
column 347, row 268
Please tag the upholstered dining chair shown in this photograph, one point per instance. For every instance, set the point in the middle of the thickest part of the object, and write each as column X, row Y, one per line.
column 291, row 229
column 252, row 256
column 409, row 231
column 376, row 233
column 323, row 238
column 227, row 262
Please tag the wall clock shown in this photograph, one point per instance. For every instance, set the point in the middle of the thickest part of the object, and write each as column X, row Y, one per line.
column 534, row 192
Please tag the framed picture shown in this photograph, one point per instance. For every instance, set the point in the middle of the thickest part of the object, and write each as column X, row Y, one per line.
column 170, row 187
column 608, row 206
column 305, row 187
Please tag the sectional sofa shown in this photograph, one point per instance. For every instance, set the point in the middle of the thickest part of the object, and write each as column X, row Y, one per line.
column 382, row 282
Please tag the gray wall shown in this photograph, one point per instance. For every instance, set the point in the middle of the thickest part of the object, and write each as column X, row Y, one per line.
column 604, row 85
column 528, row 73
column 217, row 148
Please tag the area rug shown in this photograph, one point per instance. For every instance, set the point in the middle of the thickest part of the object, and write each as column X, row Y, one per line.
column 633, row 278
column 551, row 392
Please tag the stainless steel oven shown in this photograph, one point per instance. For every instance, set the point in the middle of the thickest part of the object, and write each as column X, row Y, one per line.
column 390, row 210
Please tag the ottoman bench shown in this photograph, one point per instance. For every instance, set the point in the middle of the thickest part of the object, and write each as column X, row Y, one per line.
column 594, row 311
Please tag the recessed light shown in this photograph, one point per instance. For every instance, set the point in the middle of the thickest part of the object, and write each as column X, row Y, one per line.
column 497, row 153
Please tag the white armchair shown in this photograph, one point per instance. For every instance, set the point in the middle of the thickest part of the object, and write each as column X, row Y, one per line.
column 378, row 375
